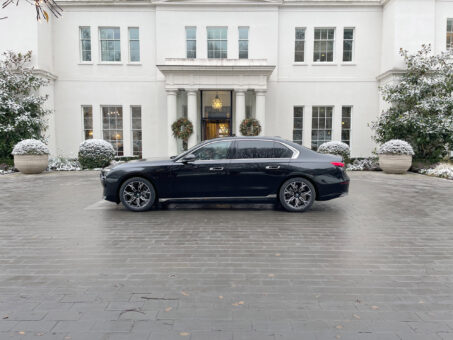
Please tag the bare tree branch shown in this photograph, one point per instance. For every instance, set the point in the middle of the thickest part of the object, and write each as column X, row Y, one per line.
column 40, row 5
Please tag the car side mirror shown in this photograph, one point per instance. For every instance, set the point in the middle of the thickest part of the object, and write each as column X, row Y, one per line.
column 172, row 157
column 189, row 158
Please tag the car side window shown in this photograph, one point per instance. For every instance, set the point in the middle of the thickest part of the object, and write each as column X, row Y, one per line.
column 213, row 151
column 281, row 151
column 254, row 149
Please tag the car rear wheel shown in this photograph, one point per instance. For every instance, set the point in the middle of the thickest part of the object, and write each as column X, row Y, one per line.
column 137, row 194
column 297, row 194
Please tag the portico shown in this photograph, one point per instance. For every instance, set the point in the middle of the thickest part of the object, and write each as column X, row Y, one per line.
column 238, row 87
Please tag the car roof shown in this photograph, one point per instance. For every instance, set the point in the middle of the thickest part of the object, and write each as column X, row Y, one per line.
column 250, row 137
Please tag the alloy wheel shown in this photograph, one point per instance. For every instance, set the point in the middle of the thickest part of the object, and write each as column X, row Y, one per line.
column 297, row 195
column 137, row 194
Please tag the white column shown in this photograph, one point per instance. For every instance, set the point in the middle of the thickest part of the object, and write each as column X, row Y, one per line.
column 171, row 118
column 240, row 110
column 192, row 116
column 261, row 109
column 336, row 123
column 306, row 133
column 127, row 135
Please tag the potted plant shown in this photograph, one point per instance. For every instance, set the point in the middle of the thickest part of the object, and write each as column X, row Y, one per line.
column 395, row 156
column 31, row 156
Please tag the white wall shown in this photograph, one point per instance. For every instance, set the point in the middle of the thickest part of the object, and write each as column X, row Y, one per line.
column 379, row 33
column 407, row 24
column 98, row 83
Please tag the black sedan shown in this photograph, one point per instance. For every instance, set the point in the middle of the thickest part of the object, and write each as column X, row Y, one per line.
column 227, row 169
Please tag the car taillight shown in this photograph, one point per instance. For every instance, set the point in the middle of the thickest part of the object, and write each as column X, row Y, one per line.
column 340, row 164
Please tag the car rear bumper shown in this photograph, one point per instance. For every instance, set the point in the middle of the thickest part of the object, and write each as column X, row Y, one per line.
column 336, row 190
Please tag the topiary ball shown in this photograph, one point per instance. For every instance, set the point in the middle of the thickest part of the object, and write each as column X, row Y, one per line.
column 95, row 153
column 396, row 147
column 336, row 148
column 30, row 147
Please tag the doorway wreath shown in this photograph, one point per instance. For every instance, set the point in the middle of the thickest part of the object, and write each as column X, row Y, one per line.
column 250, row 127
column 182, row 129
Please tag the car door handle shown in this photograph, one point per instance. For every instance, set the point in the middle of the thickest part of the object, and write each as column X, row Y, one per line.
column 273, row 167
column 217, row 168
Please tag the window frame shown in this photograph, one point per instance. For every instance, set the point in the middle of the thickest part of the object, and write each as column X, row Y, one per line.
column 352, row 45
column 131, row 107
column 302, row 120
column 129, row 45
column 100, row 45
column 192, row 39
column 325, row 107
column 122, row 128
column 304, row 41
column 350, row 107
column 239, row 41
column 320, row 62
column 448, row 48
column 81, row 46
column 208, row 40
column 84, row 129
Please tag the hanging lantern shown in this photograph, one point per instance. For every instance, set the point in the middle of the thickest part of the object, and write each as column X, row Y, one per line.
column 217, row 103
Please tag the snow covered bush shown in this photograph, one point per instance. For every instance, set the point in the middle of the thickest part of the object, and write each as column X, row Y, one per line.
column 442, row 170
column 336, row 148
column 30, row 147
column 421, row 105
column 95, row 153
column 21, row 113
column 367, row 164
column 60, row 163
column 396, row 147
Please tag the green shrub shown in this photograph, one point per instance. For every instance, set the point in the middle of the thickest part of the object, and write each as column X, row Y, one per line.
column 95, row 153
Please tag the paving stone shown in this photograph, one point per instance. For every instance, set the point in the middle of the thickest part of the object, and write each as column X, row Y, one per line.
column 377, row 264
column 34, row 326
column 73, row 326
column 217, row 335
column 113, row 326
column 59, row 315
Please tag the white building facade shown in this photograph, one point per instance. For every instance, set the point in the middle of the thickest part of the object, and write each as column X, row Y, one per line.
column 308, row 70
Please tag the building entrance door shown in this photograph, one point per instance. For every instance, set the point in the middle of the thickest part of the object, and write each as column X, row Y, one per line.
column 216, row 114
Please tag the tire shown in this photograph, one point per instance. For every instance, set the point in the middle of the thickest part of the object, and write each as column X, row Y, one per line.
column 297, row 194
column 137, row 194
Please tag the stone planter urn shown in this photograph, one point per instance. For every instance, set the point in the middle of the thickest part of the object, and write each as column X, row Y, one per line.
column 395, row 156
column 31, row 164
column 395, row 164
column 31, row 156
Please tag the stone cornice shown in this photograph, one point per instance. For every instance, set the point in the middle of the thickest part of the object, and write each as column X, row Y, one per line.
column 44, row 74
column 390, row 73
column 256, row 66
column 207, row 3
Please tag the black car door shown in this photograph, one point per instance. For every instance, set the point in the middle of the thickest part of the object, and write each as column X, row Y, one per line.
column 258, row 167
column 207, row 176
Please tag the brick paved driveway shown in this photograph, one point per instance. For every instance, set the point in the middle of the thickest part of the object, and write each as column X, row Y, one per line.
column 377, row 264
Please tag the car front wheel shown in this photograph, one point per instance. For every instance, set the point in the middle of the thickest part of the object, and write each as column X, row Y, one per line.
column 137, row 194
column 297, row 194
